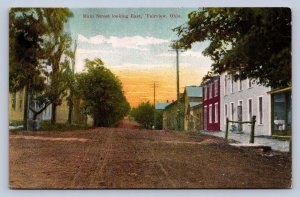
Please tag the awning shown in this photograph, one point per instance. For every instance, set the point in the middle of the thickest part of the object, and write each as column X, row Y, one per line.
column 280, row 90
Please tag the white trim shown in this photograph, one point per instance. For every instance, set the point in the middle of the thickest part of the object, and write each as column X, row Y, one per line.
column 210, row 114
column 210, row 89
column 248, row 111
column 258, row 114
column 216, row 112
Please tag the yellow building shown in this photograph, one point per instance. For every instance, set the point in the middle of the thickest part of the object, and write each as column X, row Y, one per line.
column 16, row 106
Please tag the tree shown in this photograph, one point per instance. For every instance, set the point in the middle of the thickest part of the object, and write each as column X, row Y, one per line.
column 26, row 31
column 253, row 42
column 58, row 45
column 101, row 93
column 37, row 40
column 144, row 114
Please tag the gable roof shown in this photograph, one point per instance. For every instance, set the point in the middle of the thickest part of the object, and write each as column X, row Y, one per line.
column 194, row 104
column 194, row 91
column 161, row 106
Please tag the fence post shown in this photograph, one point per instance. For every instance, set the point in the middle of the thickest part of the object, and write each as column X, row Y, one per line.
column 227, row 129
column 252, row 129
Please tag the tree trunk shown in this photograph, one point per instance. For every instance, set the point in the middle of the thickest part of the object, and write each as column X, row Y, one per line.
column 53, row 115
column 70, row 108
column 25, row 110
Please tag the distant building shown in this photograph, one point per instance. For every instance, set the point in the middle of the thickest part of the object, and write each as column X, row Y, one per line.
column 173, row 115
column 161, row 106
column 281, row 111
column 211, row 104
column 243, row 99
column 193, row 108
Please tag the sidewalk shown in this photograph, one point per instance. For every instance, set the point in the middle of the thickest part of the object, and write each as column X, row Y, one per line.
column 244, row 138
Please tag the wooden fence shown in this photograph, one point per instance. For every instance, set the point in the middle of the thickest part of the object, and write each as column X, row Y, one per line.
column 252, row 122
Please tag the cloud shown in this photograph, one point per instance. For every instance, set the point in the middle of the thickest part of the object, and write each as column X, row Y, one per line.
column 89, row 51
column 196, row 54
column 130, row 42
column 99, row 39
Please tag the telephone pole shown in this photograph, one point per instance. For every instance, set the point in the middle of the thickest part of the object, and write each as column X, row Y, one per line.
column 155, row 85
column 177, row 48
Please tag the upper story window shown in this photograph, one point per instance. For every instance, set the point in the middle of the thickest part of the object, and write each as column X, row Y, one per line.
column 231, row 87
column 216, row 88
column 210, row 90
column 225, row 85
column 249, row 83
column 240, row 85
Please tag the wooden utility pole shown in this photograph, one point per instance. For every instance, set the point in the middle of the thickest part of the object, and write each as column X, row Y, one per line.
column 154, row 101
column 176, row 47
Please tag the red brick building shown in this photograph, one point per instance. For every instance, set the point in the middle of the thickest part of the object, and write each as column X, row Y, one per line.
column 211, row 104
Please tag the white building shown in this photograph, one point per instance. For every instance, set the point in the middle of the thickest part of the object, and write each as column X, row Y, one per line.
column 242, row 99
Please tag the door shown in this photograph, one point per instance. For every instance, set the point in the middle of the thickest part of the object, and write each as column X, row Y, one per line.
column 240, row 115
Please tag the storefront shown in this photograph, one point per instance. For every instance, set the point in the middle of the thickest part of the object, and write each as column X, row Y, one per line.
column 281, row 111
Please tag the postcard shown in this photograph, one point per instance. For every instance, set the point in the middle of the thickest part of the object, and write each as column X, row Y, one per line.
column 150, row 98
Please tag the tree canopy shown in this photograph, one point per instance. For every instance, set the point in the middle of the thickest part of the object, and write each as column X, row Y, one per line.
column 38, row 42
column 102, row 95
column 253, row 42
column 144, row 114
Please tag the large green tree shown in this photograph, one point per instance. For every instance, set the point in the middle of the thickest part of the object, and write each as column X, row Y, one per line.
column 253, row 42
column 38, row 41
column 101, row 93
column 144, row 114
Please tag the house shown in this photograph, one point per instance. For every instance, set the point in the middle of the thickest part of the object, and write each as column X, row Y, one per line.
column 161, row 106
column 243, row 99
column 281, row 111
column 193, row 108
column 16, row 106
column 211, row 104
column 173, row 115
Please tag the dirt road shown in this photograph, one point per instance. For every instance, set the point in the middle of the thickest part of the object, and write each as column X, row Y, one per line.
column 131, row 158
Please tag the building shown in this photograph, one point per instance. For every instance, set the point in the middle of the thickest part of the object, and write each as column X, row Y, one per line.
column 193, row 108
column 16, row 107
column 211, row 104
column 173, row 115
column 243, row 99
column 161, row 106
column 281, row 111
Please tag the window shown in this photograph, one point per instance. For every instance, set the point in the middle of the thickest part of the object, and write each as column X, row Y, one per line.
column 232, row 111
column 249, row 109
column 240, row 85
column 13, row 101
column 225, row 85
column 260, row 110
column 21, row 101
column 216, row 113
column 210, row 90
column 249, row 83
column 231, row 89
column 225, row 113
column 216, row 88
column 210, row 113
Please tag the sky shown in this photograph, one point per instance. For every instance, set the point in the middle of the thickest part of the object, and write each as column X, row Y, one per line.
column 134, row 43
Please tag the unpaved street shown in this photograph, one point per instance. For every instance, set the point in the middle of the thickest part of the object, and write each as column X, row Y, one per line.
column 132, row 158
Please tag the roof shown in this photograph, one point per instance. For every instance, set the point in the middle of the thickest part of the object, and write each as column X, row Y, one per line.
column 194, row 104
column 161, row 106
column 194, row 91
